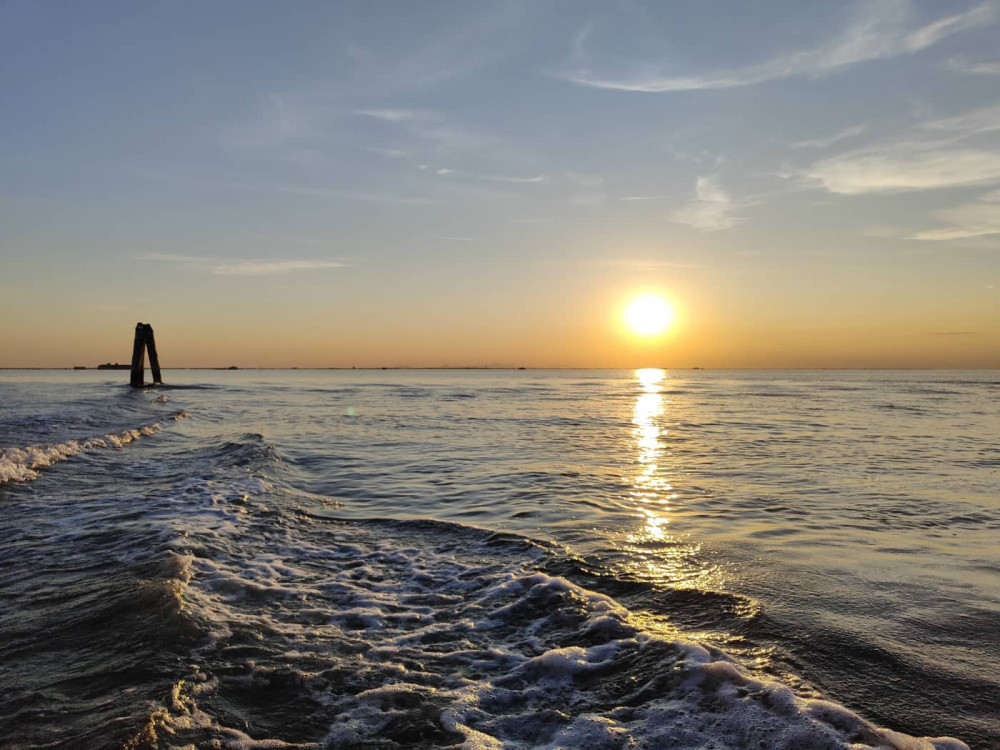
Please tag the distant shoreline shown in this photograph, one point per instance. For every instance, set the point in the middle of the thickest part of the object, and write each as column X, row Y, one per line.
column 509, row 369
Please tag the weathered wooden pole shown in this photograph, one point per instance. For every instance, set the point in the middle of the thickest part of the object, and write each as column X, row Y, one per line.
column 154, row 361
column 138, row 356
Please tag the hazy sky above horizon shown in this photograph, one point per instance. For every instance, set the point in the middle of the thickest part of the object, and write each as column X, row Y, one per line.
column 452, row 183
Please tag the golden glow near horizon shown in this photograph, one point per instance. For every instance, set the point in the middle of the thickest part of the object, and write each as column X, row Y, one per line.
column 649, row 315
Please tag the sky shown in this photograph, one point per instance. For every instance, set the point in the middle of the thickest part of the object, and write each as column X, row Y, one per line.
column 315, row 184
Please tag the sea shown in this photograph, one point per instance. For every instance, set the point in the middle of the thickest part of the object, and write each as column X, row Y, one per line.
column 483, row 559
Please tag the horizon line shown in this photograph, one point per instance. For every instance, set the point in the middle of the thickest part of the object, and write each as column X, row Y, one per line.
column 78, row 368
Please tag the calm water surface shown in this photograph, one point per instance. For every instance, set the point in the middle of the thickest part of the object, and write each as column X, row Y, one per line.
column 500, row 558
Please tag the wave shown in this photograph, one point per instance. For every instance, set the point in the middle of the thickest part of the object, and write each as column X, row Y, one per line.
column 71, row 657
column 23, row 464
column 340, row 634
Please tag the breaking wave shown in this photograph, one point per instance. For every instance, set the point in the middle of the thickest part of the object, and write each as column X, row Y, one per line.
column 23, row 464
column 336, row 634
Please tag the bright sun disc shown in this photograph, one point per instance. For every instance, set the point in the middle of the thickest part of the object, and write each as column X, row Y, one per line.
column 649, row 315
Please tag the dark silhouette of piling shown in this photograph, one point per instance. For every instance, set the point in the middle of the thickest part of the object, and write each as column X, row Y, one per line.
column 144, row 340
column 154, row 361
column 138, row 356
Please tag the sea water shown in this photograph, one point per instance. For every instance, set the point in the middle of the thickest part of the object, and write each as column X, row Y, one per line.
column 486, row 559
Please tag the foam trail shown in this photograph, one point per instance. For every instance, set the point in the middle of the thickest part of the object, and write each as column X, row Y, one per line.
column 23, row 464
column 424, row 637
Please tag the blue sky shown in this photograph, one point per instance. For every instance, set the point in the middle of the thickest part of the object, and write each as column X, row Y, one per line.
column 477, row 183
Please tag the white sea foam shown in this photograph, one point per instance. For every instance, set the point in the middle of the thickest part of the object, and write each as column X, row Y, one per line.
column 456, row 644
column 23, row 464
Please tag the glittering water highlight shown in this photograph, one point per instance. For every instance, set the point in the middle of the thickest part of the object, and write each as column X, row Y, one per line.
column 500, row 559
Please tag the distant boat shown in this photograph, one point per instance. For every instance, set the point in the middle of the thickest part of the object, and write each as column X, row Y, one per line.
column 79, row 367
column 115, row 366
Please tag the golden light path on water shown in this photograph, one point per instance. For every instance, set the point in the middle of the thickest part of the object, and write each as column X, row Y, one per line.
column 657, row 554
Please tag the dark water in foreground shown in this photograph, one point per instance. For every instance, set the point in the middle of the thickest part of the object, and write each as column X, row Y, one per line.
column 592, row 559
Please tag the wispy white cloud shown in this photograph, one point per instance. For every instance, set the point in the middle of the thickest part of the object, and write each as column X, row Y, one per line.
column 288, row 188
column 235, row 267
column 711, row 211
column 284, row 239
column 985, row 68
column 332, row 194
column 906, row 167
column 945, row 152
column 443, row 171
column 643, row 197
column 516, row 180
column 392, row 153
column 174, row 258
column 933, row 33
column 973, row 122
column 313, row 114
column 578, row 49
column 840, row 135
column 435, row 128
column 881, row 30
column 979, row 219
column 279, row 121
column 637, row 264
column 268, row 268
column 393, row 115
column 479, row 35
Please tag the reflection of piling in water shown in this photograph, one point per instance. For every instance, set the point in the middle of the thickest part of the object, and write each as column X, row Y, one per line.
column 143, row 341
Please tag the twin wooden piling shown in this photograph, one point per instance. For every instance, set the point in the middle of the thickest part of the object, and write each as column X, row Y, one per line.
column 144, row 341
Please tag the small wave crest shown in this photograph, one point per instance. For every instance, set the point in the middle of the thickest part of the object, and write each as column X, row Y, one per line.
column 23, row 464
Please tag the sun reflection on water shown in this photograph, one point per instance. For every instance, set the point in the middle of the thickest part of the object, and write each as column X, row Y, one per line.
column 650, row 490
column 657, row 554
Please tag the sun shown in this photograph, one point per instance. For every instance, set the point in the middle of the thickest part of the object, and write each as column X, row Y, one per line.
column 649, row 315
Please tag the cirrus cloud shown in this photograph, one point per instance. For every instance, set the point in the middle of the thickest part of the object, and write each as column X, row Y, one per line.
column 907, row 167
column 711, row 211
column 881, row 30
column 235, row 267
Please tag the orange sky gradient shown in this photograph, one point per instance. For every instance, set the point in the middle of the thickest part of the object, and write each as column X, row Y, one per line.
column 483, row 184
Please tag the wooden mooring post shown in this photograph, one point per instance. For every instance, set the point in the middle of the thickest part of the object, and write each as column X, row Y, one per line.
column 144, row 341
